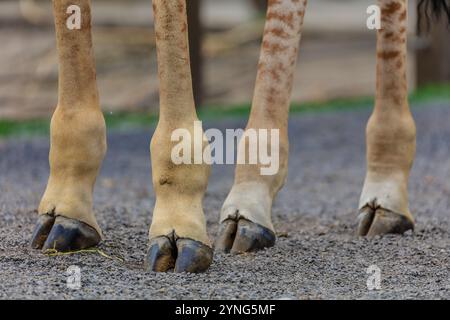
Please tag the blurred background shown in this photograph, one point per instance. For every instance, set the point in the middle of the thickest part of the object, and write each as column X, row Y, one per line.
column 337, row 56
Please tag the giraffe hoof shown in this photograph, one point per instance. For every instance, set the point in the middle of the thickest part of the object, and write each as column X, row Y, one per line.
column 243, row 236
column 181, row 255
column 63, row 234
column 380, row 221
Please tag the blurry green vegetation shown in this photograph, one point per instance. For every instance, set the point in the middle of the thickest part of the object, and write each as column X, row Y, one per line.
column 123, row 121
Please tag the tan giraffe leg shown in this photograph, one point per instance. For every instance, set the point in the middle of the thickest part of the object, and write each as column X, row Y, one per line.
column 391, row 133
column 178, row 237
column 246, row 214
column 78, row 141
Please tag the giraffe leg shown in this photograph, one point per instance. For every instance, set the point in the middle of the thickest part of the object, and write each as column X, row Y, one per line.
column 178, row 237
column 78, row 142
column 391, row 133
column 246, row 213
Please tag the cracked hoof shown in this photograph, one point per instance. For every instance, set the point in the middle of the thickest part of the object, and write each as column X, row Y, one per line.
column 243, row 236
column 63, row 234
column 178, row 254
column 373, row 222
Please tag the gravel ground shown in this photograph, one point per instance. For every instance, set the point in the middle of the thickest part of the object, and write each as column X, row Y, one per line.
column 317, row 255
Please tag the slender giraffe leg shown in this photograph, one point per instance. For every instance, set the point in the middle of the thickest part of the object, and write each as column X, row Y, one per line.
column 246, row 214
column 78, row 141
column 178, row 237
column 391, row 132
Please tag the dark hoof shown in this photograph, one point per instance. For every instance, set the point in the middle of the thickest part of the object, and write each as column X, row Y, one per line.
column 226, row 236
column 43, row 227
column 373, row 222
column 243, row 236
column 161, row 255
column 181, row 255
column 63, row 234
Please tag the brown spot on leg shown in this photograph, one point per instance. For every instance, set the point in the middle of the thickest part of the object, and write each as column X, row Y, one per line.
column 387, row 55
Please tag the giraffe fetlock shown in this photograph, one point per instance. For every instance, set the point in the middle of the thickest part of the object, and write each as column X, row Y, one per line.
column 246, row 215
column 178, row 236
column 391, row 147
column 66, row 219
column 383, row 206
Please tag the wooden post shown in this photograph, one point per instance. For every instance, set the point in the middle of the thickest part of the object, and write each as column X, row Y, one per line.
column 195, row 48
column 260, row 5
column 433, row 59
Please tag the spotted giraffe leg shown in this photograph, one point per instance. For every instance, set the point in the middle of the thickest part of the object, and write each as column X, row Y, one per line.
column 78, row 141
column 391, row 133
column 178, row 237
column 246, row 223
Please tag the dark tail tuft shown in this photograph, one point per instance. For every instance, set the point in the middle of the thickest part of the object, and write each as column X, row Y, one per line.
column 432, row 9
